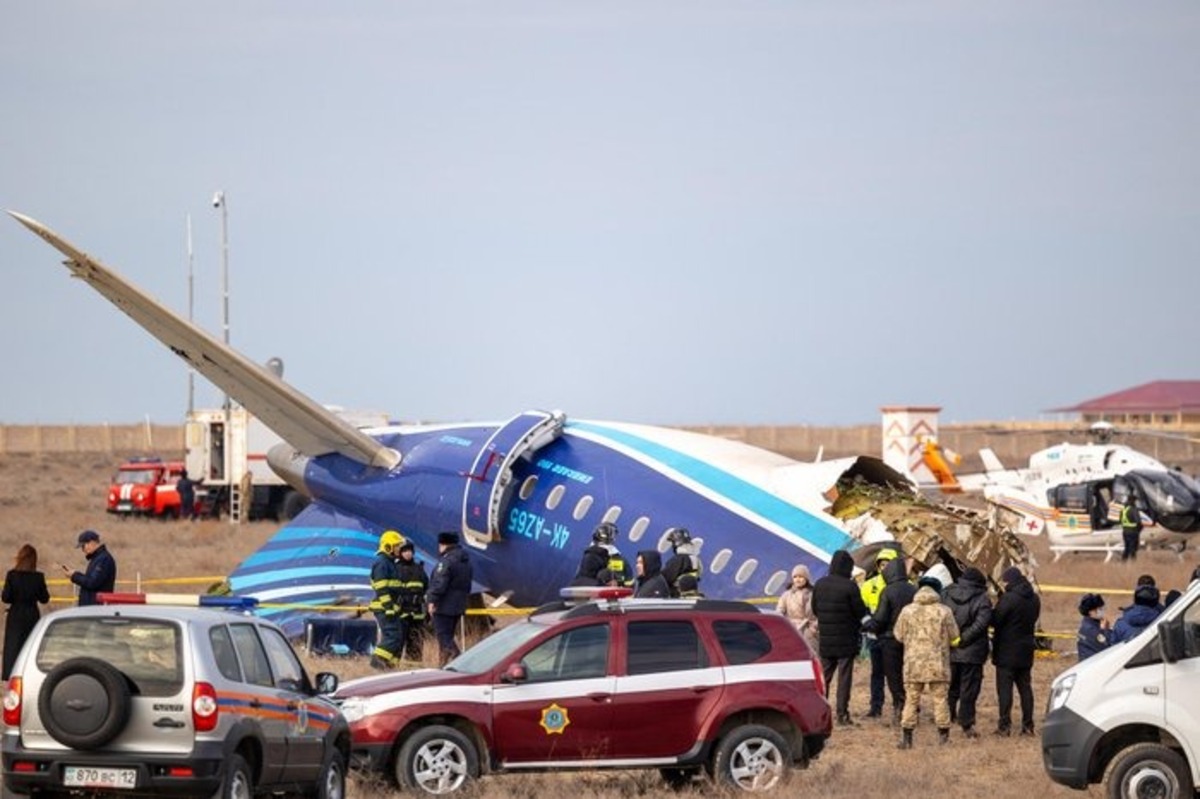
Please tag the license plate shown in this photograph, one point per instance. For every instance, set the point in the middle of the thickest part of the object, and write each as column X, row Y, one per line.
column 88, row 777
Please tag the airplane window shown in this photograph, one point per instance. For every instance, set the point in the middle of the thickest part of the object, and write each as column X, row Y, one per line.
column 721, row 560
column 582, row 507
column 556, row 495
column 745, row 570
column 775, row 583
column 612, row 514
column 528, row 486
column 639, row 528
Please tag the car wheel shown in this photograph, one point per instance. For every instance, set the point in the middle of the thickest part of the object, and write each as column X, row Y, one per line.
column 437, row 760
column 332, row 784
column 238, row 782
column 84, row 703
column 678, row 778
column 1149, row 770
column 752, row 758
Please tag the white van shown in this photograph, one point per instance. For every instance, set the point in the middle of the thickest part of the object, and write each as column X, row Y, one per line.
column 1130, row 715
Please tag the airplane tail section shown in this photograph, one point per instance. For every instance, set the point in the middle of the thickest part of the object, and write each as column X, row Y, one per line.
column 991, row 463
column 318, row 563
column 299, row 420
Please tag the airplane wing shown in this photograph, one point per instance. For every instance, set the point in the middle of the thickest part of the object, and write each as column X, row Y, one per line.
column 297, row 419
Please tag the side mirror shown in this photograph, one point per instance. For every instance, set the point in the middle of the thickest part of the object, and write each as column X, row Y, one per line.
column 515, row 673
column 1170, row 640
column 327, row 682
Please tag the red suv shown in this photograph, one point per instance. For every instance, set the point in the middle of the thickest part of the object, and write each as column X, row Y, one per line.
column 684, row 686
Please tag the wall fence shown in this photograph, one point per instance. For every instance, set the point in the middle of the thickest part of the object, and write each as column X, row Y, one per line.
column 1013, row 442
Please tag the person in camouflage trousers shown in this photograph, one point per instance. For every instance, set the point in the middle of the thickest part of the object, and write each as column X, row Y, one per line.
column 927, row 629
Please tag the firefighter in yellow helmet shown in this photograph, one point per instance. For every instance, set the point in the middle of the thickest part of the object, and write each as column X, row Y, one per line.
column 385, row 582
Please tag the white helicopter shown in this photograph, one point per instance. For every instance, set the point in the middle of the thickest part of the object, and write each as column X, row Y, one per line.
column 1074, row 493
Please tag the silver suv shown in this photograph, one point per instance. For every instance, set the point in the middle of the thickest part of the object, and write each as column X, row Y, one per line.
column 154, row 700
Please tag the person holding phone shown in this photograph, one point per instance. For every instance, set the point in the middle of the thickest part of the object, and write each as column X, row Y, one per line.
column 101, row 574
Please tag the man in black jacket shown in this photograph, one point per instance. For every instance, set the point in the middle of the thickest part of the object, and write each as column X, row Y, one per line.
column 840, row 610
column 413, row 585
column 968, row 601
column 101, row 574
column 897, row 593
column 449, row 589
column 1014, row 621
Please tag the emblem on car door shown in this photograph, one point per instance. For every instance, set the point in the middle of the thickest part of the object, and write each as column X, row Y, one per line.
column 554, row 719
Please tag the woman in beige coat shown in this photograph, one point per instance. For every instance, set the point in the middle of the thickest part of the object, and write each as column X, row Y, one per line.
column 796, row 604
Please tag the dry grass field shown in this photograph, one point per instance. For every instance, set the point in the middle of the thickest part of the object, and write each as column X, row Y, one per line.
column 48, row 499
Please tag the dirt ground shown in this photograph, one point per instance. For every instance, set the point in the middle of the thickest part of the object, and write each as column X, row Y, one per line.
column 47, row 499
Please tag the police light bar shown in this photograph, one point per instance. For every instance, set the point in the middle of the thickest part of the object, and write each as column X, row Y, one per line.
column 583, row 593
column 180, row 600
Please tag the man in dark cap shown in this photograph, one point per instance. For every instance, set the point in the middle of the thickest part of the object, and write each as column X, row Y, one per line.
column 1140, row 615
column 449, row 589
column 1014, row 622
column 968, row 602
column 101, row 574
column 1094, row 633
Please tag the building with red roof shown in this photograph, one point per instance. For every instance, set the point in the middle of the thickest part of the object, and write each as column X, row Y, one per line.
column 1164, row 402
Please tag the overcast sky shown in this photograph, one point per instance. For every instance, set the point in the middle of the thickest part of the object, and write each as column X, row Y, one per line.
column 667, row 212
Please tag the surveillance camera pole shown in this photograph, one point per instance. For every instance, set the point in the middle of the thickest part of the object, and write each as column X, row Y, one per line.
column 191, row 262
column 220, row 202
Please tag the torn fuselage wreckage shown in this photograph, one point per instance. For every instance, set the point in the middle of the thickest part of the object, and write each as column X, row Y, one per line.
column 881, row 513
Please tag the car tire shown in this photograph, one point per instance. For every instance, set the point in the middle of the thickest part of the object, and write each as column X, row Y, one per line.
column 331, row 783
column 1149, row 769
column 84, row 703
column 752, row 758
column 437, row 760
column 238, row 782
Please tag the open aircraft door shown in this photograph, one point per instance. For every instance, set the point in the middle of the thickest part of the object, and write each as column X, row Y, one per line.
column 490, row 480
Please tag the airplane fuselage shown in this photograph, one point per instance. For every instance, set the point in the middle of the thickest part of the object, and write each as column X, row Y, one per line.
column 644, row 479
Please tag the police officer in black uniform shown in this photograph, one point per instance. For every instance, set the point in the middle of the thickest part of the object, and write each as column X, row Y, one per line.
column 449, row 589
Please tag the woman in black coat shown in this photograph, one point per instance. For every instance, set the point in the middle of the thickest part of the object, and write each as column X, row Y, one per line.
column 24, row 588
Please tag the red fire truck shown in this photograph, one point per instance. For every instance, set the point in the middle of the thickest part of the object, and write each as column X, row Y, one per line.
column 145, row 486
